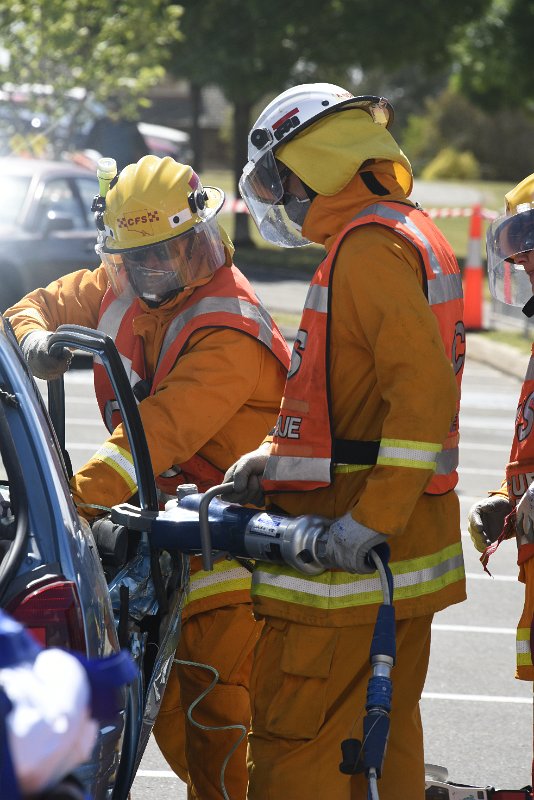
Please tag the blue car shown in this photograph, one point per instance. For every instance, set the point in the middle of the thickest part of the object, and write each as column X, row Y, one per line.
column 92, row 591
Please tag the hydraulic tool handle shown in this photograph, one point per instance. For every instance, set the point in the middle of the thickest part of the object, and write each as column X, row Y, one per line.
column 204, row 525
column 103, row 346
column 379, row 556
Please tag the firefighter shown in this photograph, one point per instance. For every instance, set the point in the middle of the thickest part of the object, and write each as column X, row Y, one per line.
column 509, row 511
column 207, row 365
column 367, row 436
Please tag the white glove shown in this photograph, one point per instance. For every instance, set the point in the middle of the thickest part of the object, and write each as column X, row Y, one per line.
column 50, row 730
column 349, row 543
column 486, row 520
column 246, row 474
column 34, row 348
column 525, row 514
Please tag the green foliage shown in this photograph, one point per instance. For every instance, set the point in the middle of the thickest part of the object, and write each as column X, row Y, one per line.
column 108, row 49
column 452, row 164
column 253, row 51
column 501, row 143
column 495, row 57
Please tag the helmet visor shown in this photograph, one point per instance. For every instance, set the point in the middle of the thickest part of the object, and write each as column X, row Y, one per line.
column 506, row 238
column 159, row 271
column 262, row 189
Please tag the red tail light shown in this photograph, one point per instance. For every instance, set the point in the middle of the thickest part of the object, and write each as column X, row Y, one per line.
column 52, row 614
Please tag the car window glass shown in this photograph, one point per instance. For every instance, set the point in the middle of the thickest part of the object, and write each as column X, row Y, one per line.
column 14, row 190
column 58, row 198
column 88, row 188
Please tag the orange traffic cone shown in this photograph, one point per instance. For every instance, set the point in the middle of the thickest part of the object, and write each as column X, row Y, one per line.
column 474, row 274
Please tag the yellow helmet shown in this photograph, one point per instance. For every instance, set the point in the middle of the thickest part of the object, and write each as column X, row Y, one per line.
column 507, row 238
column 522, row 193
column 159, row 231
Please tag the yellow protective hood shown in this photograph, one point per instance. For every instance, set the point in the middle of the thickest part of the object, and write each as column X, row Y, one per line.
column 329, row 153
column 227, row 242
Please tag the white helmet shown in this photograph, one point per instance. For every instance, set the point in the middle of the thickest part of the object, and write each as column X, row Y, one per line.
column 287, row 115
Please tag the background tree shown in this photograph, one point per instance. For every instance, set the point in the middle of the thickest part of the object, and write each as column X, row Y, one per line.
column 495, row 57
column 108, row 49
column 253, row 51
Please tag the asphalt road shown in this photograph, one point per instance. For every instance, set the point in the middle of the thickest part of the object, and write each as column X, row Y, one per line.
column 477, row 717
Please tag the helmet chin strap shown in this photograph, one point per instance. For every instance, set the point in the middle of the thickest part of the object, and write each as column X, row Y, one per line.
column 296, row 207
column 165, row 299
column 528, row 308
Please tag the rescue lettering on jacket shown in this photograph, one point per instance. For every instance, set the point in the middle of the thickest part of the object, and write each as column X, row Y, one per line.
column 288, row 427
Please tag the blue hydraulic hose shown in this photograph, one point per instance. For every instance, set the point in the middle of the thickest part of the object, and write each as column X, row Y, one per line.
column 368, row 756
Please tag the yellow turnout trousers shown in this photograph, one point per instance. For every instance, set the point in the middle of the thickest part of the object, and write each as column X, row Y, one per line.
column 224, row 638
column 308, row 691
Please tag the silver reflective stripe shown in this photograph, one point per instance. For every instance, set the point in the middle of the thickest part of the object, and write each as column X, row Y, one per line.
column 110, row 323
column 120, row 460
column 111, row 319
column 133, row 377
column 109, row 410
column 397, row 453
column 447, row 461
column 444, row 288
column 172, row 472
column 214, row 578
column 364, row 589
column 214, row 305
column 317, row 298
column 397, row 216
column 293, row 468
column 522, row 646
column 530, row 370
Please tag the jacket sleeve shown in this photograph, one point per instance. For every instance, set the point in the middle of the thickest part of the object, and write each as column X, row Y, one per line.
column 383, row 301
column 216, row 376
column 74, row 299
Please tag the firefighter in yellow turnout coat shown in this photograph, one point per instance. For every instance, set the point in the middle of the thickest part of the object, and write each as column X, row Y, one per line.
column 208, row 365
column 510, row 250
column 367, row 436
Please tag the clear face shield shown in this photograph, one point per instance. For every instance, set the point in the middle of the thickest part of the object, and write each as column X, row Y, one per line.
column 506, row 239
column 159, row 271
column 277, row 212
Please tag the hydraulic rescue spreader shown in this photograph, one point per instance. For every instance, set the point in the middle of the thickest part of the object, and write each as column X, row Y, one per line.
column 203, row 523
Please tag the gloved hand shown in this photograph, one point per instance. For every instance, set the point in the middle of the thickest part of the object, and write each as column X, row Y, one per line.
column 486, row 520
column 246, row 474
column 525, row 514
column 349, row 543
column 34, row 348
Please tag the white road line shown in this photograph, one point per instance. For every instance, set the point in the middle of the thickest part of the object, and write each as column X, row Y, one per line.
column 479, row 471
column 155, row 773
column 97, row 422
column 83, row 446
column 480, row 446
column 483, row 576
column 470, row 498
column 476, row 698
column 472, row 629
